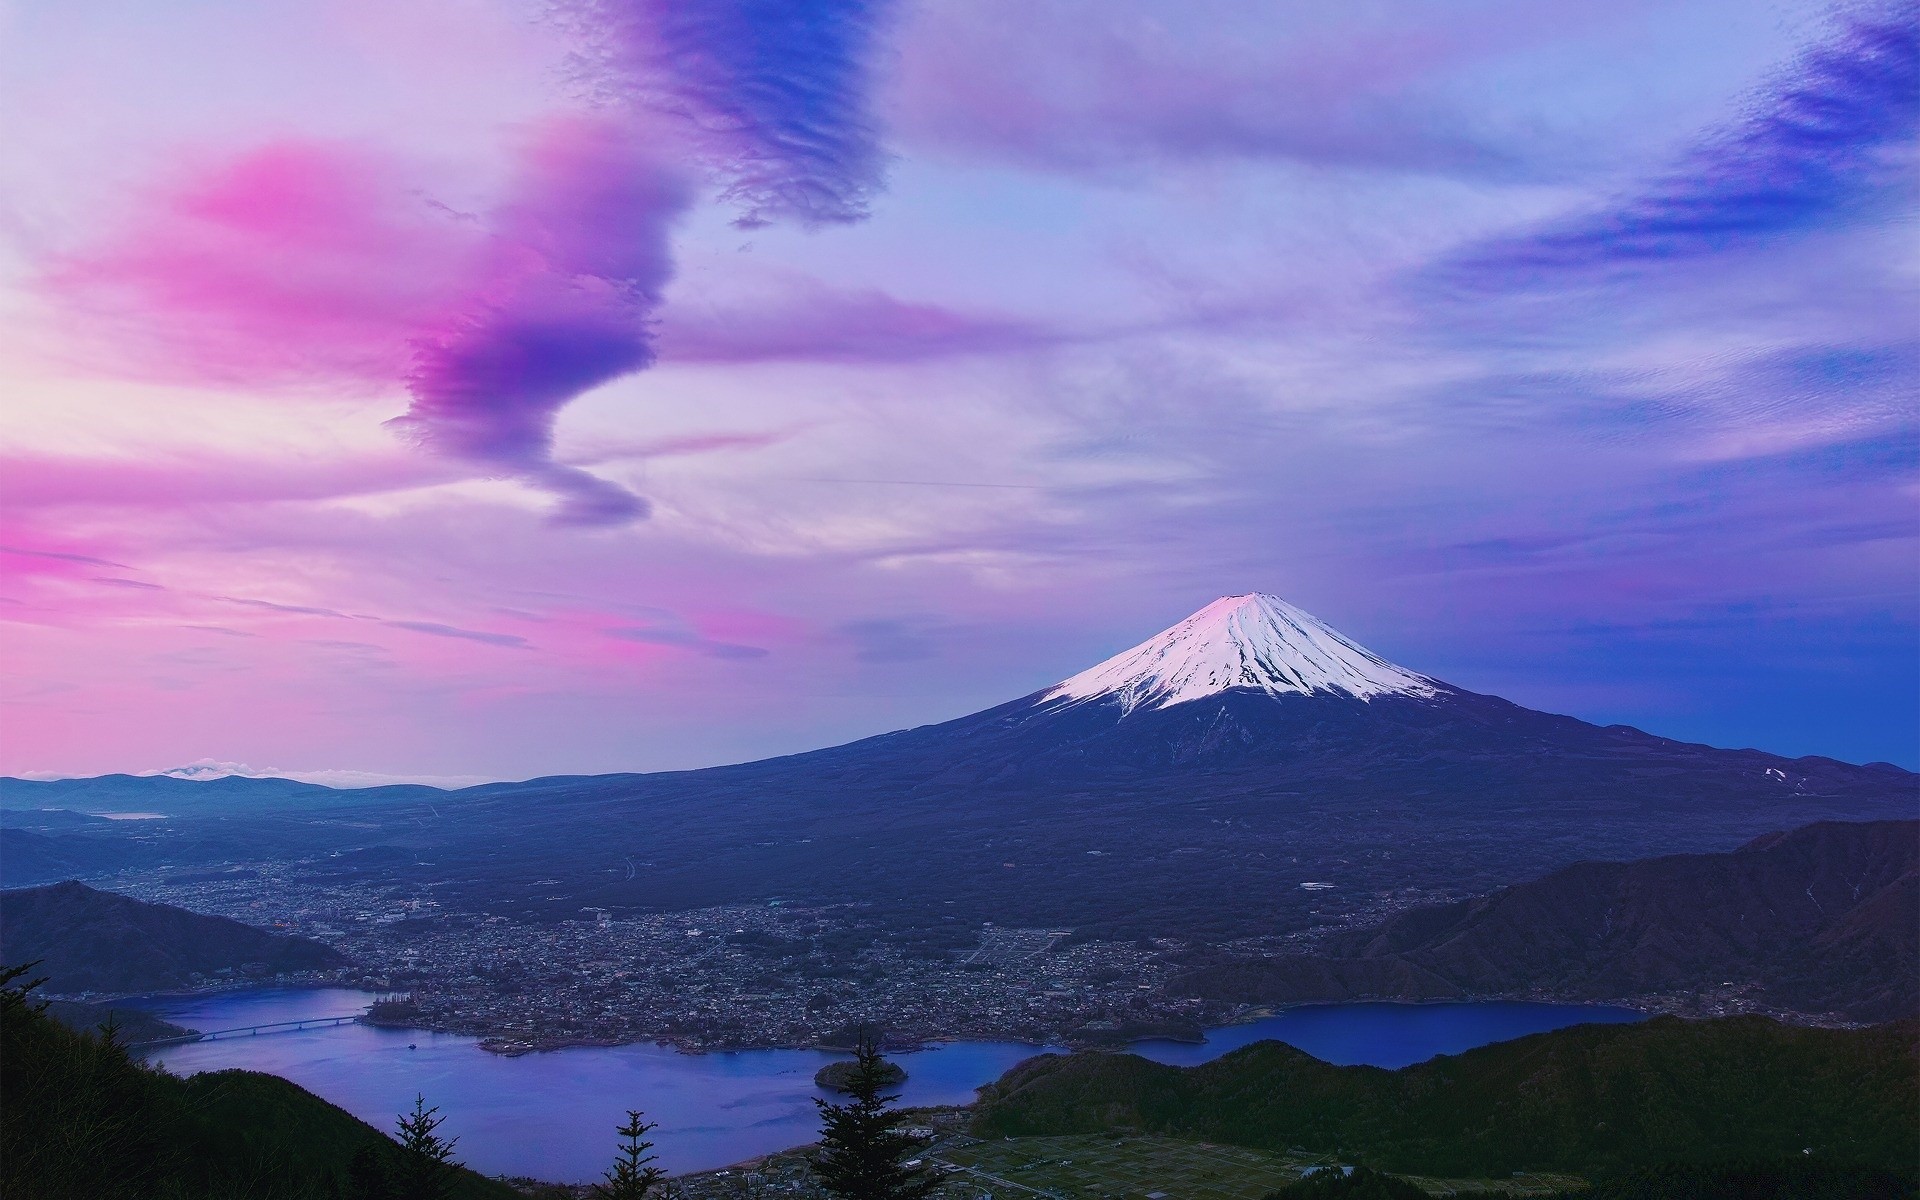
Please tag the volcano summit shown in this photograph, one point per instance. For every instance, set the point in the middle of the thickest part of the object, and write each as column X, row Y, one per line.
column 1257, row 642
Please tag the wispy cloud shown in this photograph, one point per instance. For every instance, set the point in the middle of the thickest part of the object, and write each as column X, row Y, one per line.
column 686, row 639
column 1831, row 133
column 55, row 556
column 431, row 628
column 453, row 631
column 813, row 324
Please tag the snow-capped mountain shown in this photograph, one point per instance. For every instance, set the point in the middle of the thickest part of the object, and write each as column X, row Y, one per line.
column 1257, row 642
column 1243, row 771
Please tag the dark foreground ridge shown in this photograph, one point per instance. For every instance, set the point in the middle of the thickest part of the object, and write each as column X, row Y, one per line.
column 85, row 940
column 1592, row 1100
column 79, row 1120
column 1822, row 920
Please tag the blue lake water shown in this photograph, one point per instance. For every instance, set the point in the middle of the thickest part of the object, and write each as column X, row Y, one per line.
column 552, row 1115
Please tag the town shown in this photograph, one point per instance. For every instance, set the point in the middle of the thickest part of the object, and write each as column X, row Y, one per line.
column 731, row 977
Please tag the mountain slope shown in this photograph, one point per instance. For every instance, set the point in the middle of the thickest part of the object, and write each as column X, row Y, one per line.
column 1823, row 920
column 1591, row 1099
column 93, row 941
column 1188, row 786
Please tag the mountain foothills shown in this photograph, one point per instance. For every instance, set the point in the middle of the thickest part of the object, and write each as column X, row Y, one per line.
column 83, row 940
column 1822, row 920
column 1192, row 786
column 1594, row 1100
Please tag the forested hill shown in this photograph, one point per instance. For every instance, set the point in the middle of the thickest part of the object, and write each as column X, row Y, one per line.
column 1822, row 920
column 79, row 1120
column 86, row 940
column 1592, row 1099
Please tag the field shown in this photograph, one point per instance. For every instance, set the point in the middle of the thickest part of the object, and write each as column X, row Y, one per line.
column 1098, row 1167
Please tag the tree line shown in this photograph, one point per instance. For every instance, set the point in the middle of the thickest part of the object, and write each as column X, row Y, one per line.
column 863, row 1152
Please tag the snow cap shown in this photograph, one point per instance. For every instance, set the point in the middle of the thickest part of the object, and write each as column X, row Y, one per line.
column 1253, row 641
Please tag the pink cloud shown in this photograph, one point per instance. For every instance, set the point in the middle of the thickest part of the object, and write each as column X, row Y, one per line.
column 298, row 264
column 577, row 261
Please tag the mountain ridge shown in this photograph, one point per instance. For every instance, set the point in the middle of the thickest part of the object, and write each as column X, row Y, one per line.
column 87, row 940
column 1819, row 921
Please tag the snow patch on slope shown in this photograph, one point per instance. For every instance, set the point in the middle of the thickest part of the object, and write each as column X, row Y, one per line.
column 1253, row 641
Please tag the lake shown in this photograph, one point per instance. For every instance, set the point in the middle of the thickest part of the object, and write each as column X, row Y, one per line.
column 552, row 1115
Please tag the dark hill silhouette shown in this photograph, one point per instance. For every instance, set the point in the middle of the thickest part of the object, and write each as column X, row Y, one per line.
column 1822, row 920
column 81, row 1120
column 92, row 941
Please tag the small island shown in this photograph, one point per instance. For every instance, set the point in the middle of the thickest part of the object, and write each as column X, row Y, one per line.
column 835, row 1075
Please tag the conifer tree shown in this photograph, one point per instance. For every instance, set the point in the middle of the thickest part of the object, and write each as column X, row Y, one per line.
column 863, row 1152
column 426, row 1167
column 633, row 1177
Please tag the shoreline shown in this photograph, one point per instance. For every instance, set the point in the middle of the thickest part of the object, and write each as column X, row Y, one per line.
column 514, row 1047
column 1691, row 1006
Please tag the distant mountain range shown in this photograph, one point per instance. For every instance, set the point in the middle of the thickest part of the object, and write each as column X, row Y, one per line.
column 172, row 795
column 92, row 941
column 1591, row 1099
column 1193, row 785
column 1823, row 920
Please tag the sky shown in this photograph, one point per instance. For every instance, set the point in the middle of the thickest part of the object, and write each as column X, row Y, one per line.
column 476, row 389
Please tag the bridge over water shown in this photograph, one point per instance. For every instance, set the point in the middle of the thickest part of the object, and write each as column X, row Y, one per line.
column 271, row 1027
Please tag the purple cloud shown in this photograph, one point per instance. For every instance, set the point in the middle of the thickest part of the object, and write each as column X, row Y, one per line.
column 580, row 256
column 774, row 93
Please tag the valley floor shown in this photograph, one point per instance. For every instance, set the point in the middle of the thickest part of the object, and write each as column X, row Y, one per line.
column 1116, row 1166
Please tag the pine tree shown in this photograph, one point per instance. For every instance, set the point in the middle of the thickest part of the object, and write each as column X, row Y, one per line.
column 862, row 1149
column 426, row 1167
column 633, row 1176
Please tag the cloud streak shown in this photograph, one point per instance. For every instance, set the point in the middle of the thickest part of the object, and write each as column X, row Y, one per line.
column 813, row 324
column 687, row 640
column 1832, row 132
